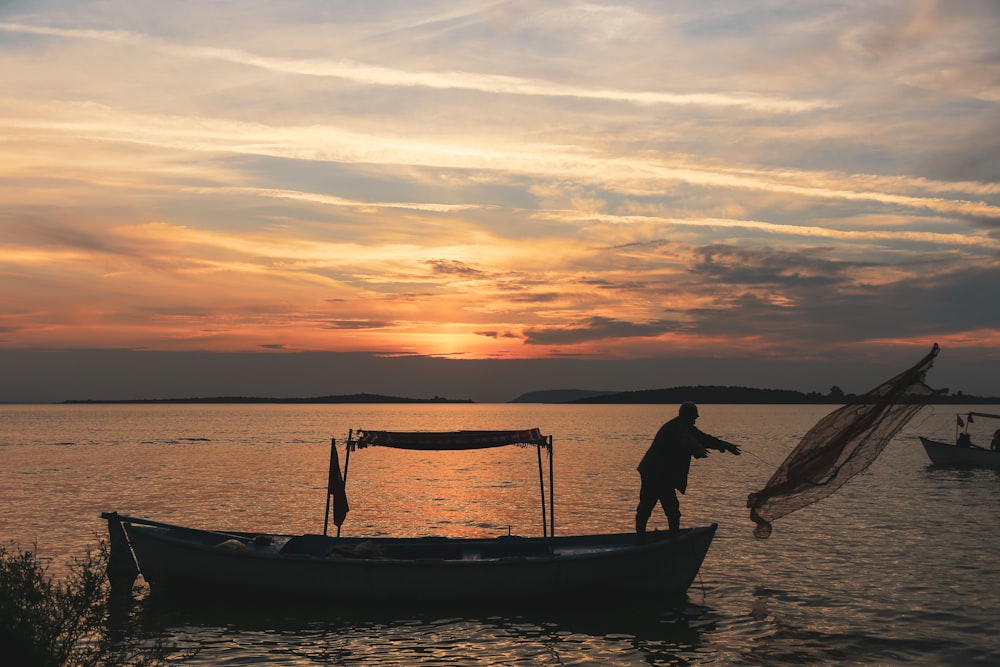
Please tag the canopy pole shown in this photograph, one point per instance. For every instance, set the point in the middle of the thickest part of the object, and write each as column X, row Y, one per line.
column 552, row 498
column 541, row 484
column 347, row 462
column 347, row 459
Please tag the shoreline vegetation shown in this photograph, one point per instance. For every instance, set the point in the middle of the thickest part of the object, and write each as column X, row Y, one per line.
column 711, row 394
column 75, row 619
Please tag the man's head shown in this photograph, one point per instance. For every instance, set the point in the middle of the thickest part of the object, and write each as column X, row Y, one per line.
column 688, row 411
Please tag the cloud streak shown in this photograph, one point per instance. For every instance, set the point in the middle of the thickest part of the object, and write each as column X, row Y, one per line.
column 335, row 145
column 367, row 74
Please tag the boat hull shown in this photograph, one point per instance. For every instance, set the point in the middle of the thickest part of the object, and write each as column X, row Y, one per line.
column 173, row 559
column 945, row 454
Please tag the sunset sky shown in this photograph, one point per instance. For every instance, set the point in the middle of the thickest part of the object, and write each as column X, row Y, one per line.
column 635, row 194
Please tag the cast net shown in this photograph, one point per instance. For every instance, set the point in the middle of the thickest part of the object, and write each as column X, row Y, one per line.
column 841, row 445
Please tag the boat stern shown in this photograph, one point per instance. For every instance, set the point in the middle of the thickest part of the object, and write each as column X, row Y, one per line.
column 122, row 569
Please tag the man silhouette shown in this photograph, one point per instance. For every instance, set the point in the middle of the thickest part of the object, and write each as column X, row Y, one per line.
column 664, row 468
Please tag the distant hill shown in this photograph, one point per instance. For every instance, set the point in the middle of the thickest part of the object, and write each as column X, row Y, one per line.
column 559, row 395
column 350, row 398
column 750, row 395
column 714, row 394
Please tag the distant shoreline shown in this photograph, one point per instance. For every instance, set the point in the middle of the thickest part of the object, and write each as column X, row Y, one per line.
column 752, row 396
column 352, row 398
column 673, row 395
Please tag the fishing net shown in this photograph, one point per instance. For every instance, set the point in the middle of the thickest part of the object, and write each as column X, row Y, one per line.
column 841, row 445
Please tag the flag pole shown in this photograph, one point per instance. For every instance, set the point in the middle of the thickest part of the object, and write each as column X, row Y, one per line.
column 326, row 515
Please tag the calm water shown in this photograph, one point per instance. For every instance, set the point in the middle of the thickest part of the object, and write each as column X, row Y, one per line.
column 901, row 567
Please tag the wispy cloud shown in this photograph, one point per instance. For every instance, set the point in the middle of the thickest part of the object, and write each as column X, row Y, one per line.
column 328, row 200
column 387, row 76
column 976, row 240
column 332, row 144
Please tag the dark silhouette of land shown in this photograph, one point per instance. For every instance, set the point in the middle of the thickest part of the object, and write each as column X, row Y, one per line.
column 750, row 395
column 560, row 395
column 719, row 394
column 350, row 398
column 673, row 395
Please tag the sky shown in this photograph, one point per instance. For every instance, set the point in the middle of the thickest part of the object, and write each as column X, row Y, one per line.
column 480, row 199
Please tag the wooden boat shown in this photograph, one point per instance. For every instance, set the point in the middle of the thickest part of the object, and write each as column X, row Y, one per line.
column 964, row 452
column 947, row 454
column 418, row 570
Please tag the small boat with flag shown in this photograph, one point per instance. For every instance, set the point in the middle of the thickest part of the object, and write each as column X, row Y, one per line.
column 964, row 452
column 175, row 560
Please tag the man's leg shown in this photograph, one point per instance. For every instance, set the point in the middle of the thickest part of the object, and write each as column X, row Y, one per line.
column 672, row 508
column 647, row 501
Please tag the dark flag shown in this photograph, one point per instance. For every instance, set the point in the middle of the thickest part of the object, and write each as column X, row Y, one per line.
column 335, row 488
column 960, row 422
column 841, row 445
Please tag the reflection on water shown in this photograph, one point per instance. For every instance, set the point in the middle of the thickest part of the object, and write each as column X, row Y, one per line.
column 899, row 567
column 319, row 635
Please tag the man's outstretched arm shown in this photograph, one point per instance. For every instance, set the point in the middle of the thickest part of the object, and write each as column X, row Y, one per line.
column 712, row 442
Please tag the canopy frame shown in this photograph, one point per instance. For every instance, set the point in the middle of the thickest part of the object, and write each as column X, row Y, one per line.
column 440, row 441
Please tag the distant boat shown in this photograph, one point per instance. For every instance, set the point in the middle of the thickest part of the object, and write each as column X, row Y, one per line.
column 176, row 560
column 964, row 452
column 947, row 454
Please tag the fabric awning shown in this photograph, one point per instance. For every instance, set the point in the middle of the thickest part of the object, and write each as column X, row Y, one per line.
column 450, row 440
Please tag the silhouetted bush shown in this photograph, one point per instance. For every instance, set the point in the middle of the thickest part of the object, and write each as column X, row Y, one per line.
column 71, row 621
